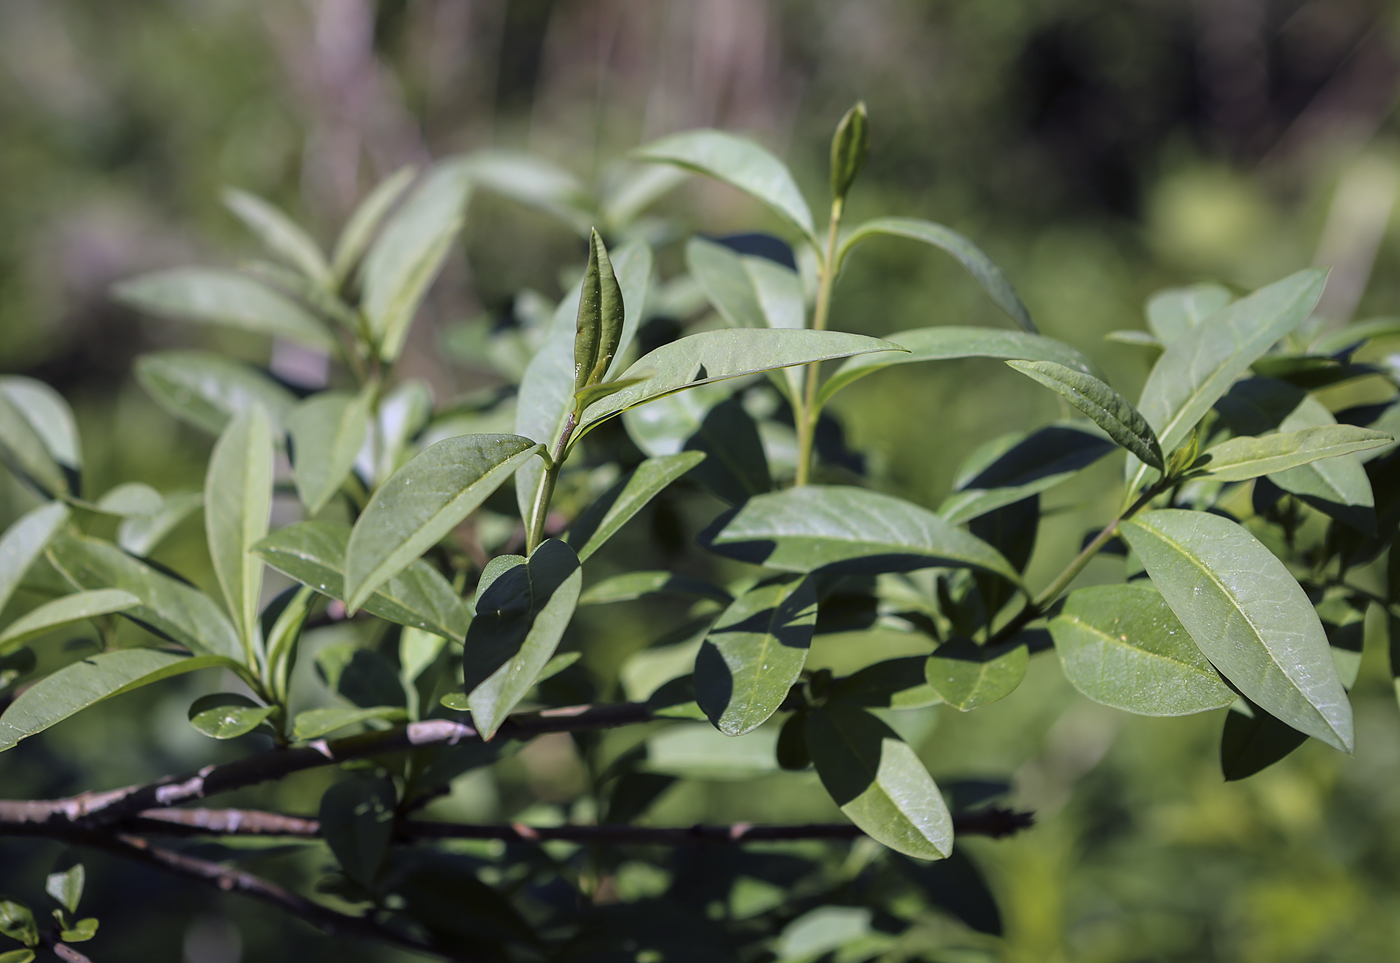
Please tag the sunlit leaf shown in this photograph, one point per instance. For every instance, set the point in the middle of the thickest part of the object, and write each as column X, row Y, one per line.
column 327, row 431
column 360, row 229
column 65, row 611
column 1248, row 457
column 227, row 715
column 315, row 723
column 968, row 675
column 1174, row 311
column 1010, row 469
column 1104, row 406
column 237, row 502
column 620, row 503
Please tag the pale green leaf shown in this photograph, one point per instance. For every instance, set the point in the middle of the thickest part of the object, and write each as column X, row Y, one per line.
column 900, row 683
column 533, row 182
column 278, row 233
column 1174, row 311
column 206, row 390
column 1014, row 467
column 131, row 499
column 140, row 534
column 327, row 431
column 64, row 611
column 1248, row 457
column 615, row 507
column 700, row 751
column 1106, row 407
column 967, row 675
column 24, row 448
column 315, row 723
column 49, row 415
column 635, row 585
column 24, row 541
column 360, row 229
column 237, row 504
column 66, row 886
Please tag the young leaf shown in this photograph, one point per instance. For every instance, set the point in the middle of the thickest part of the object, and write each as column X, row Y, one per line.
column 717, row 355
column 986, row 273
column 950, row 342
column 227, row 715
column 738, row 162
column 849, row 148
column 546, row 397
column 615, row 507
column 313, row 553
column 210, row 296
column 357, row 822
column 17, row 922
column 359, row 230
column 521, row 616
column 1174, row 311
column 407, row 254
column 64, row 611
column 237, row 503
column 598, row 328
column 206, row 390
column 1121, row 646
column 23, row 955
column 1106, row 407
column 140, row 534
column 1195, row 371
column 878, row 781
column 635, row 585
column 968, row 675
column 24, row 541
column 88, row 681
column 423, row 501
column 169, row 607
column 279, row 234
column 847, row 531
column 1248, row 457
column 81, row 931
column 1248, row 615
column 755, row 653
column 327, row 431
column 66, row 886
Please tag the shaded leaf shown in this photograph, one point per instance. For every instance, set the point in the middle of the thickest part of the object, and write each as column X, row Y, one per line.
column 1248, row 457
column 534, row 182
column 327, row 431
column 66, row 886
column 735, row 466
column 227, row 715
column 635, row 585
column 206, row 390
column 237, row 505
column 697, row 750
column 17, row 922
column 1336, row 486
column 23, row 447
column 1106, row 407
column 315, row 723
column 968, row 675
column 50, row 417
column 24, row 541
column 1253, row 740
column 791, row 750
column 615, row 507
column 900, row 683
column 357, row 823
column 64, row 611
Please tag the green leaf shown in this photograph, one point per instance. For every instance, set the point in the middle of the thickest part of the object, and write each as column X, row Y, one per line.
column 847, row 531
column 211, row 296
column 1337, row 486
column 357, row 823
column 279, row 234
column 227, row 715
column 361, row 227
column 892, row 684
column 423, row 501
column 1106, row 407
column 615, row 507
column 315, row 723
column 968, row 675
column 81, row 931
column 132, row 498
column 1340, row 339
column 521, row 616
column 16, row 956
column 747, row 291
column 1249, row 457
column 409, row 251
column 313, row 553
column 1253, row 740
column 950, row 342
column 1121, row 646
column 878, row 781
column 738, row 162
column 16, row 666
column 533, row 182
column 755, row 653
column 64, row 611
column 206, row 390
column 634, row 585
column 17, row 922
column 546, row 397
column 327, row 431
column 66, row 886
column 89, row 681
column 981, row 267
column 586, row 396
column 1197, row 369
column 24, row 541
column 23, row 447
column 849, row 148
column 717, row 355
column 735, row 466
column 50, row 417
column 140, row 534
column 237, row 504
column 1248, row 615
column 699, row 751
column 169, row 607
column 598, row 327
column 791, row 750
column 1174, row 311
column 1014, row 467
column 663, row 426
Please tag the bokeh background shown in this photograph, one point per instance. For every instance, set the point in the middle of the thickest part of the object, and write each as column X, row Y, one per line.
column 1097, row 149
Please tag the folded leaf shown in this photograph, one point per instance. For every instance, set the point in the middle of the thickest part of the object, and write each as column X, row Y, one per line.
column 206, row 390
column 615, row 507
column 1248, row 457
column 237, row 503
column 423, row 501
column 24, row 541
column 327, row 431
column 1248, row 615
column 65, row 611
column 598, row 326
column 1106, row 407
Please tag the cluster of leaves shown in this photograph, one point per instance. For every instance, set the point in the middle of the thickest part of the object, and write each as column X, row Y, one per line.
column 64, row 887
column 1246, row 505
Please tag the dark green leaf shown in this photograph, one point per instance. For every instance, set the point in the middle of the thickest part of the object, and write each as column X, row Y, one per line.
column 893, row 684
column 327, row 431
column 315, row 723
column 1248, row 615
column 1106, row 407
column 1121, row 646
column 615, row 507
column 206, row 390
column 16, row 665
column 65, row 611
column 791, row 750
column 357, row 823
column 735, row 466
column 227, row 715
column 849, row 148
column 1174, row 311
column 237, row 503
column 755, row 653
column 1253, row 740
column 1249, row 457
column 634, row 585
column 968, row 675
column 878, row 781
column 521, row 616
column 361, row 227
column 24, row 541
column 423, row 501
column 279, row 234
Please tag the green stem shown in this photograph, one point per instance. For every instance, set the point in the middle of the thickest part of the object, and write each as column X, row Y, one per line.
column 539, row 512
column 806, row 418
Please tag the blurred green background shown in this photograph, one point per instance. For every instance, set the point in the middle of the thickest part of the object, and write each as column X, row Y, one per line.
column 1097, row 149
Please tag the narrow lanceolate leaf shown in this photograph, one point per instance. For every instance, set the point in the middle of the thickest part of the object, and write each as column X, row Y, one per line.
column 598, row 328
column 237, row 502
column 211, row 296
column 359, row 230
column 534, row 182
column 327, row 431
column 281, row 235
column 520, row 618
column 1248, row 615
column 24, row 541
column 1174, row 311
column 206, row 390
column 1199, row 367
column 950, row 342
column 315, row 723
column 969, row 255
column 423, row 501
column 967, row 675
column 849, row 148
column 407, row 254
column 65, row 611
column 168, row 606
column 49, row 415
column 632, row 263
column 615, row 507
column 1248, row 457
column 140, row 534
column 1121, row 646
column 716, row 355
column 546, row 397
column 755, row 653
column 739, row 162
column 313, row 553
column 1337, row 486
column 878, row 781
column 1108, row 409
column 846, row 530
column 89, row 681
column 23, row 448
